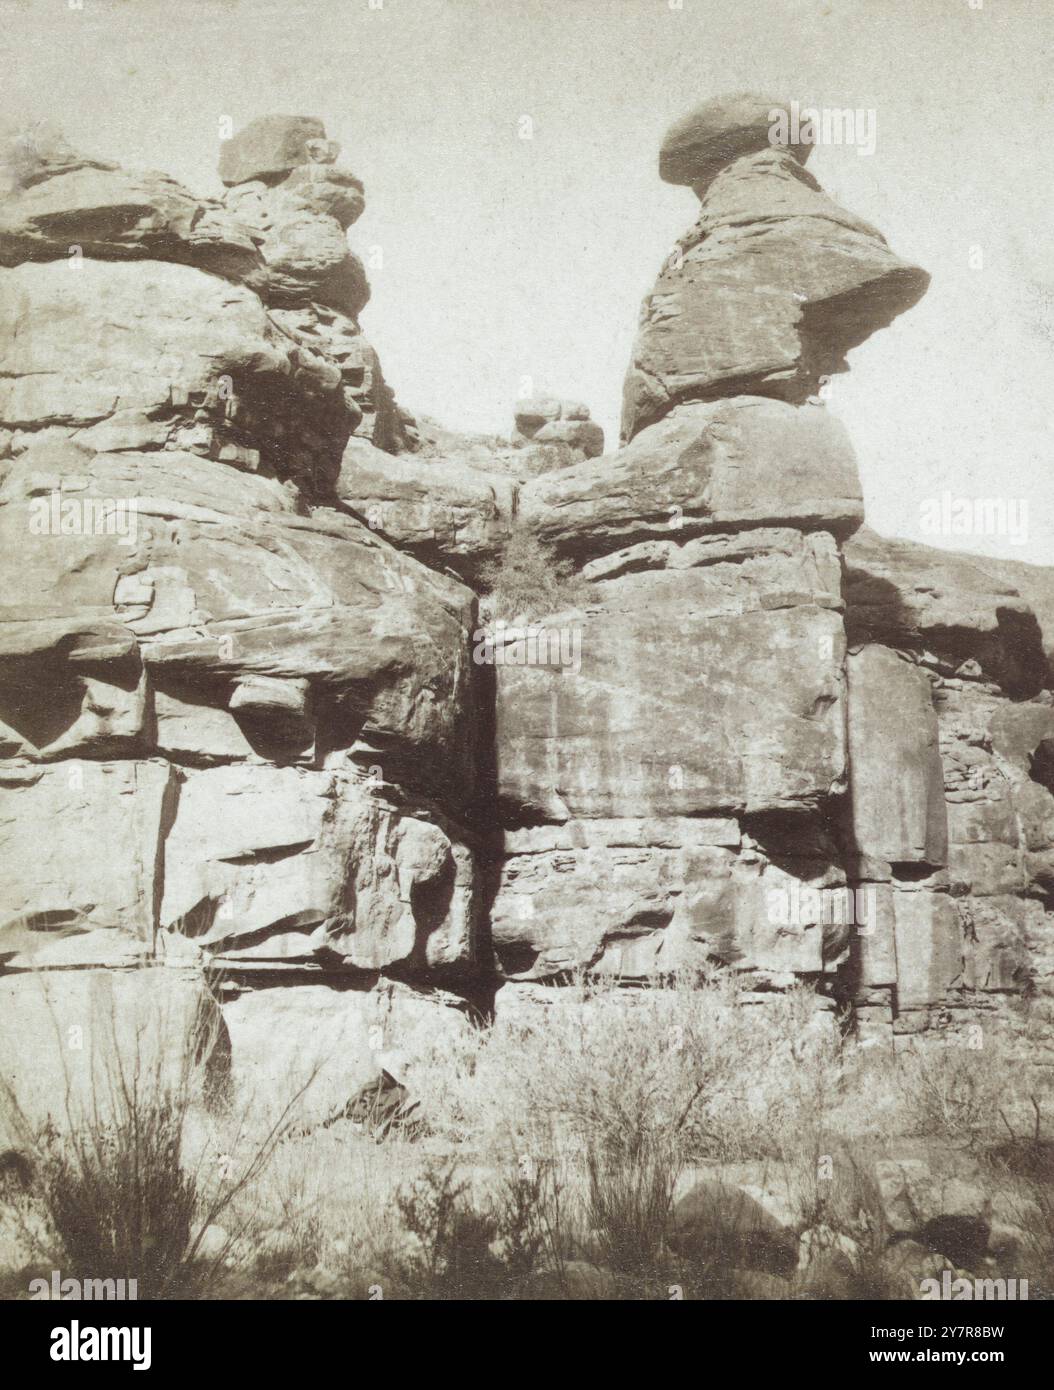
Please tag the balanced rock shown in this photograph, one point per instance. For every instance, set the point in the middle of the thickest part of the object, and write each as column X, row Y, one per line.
column 241, row 655
column 768, row 291
column 717, row 132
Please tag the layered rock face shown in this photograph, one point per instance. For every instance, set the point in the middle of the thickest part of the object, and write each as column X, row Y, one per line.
column 260, row 757
column 783, row 743
column 237, row 727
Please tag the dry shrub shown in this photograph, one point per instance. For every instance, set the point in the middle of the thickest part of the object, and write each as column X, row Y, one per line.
column 122, row 1195
column 452, row 1258
column 953, row 1094
column 613, row 1069
column 526, row 580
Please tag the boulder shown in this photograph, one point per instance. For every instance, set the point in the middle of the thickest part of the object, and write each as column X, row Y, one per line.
column 274, row 145
column 940, row 1212
column 746, row 462
column 719, row 131
column 308, row 262
column 718, row 1225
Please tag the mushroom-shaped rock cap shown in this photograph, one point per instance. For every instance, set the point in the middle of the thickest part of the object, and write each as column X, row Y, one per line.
column 700, row 144
column 271, row 145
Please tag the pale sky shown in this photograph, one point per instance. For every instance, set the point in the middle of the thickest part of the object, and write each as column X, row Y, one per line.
column 506, row 258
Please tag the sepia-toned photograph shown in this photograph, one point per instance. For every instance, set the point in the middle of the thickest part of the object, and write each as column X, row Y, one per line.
column 527, row 664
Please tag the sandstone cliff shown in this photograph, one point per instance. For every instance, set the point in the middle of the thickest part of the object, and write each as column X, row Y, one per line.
column 254, row 750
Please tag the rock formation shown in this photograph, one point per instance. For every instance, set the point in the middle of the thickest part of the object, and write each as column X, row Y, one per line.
column 789, row 746
column 453, row 501
column 253, row 752
column 771, row 287
column 236, row 726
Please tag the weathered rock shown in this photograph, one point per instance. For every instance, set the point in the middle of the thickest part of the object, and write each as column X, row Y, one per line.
column 114, row 214
column 323, row 189
column 897, row 784
column 281, row 237
column 368, row 401
column 873, row 952
column 53, row 889
column 266, row 864
column 299, row 227
column 444, row 513
column 238, row 664
column 215, row 597
column 515, row 459
column 1035, row 584
column 271, row 145
column 908, row 1263
column 750, row 716
column 676, row 893
column 909, row 595
column 285, row 242
column 765, row 296
column 88, row 1029
column 34, row 150
column 719, row 131
column 739, row 463
column 309, row 262
column 332, row 1039
column 158, row 355
column 929, row 946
